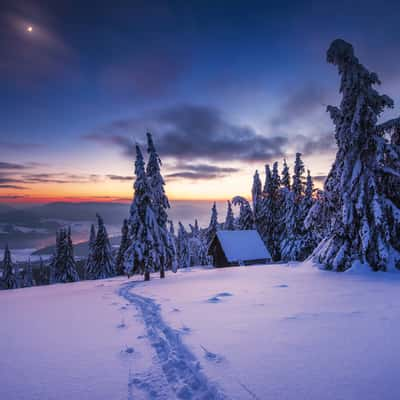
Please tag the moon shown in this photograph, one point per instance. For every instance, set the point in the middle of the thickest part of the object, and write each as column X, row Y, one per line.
column 29, row 28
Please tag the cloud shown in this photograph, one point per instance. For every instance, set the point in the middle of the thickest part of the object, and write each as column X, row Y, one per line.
column 301, row 102
column 189, row 132
column 6, row 179
column 207, row 168
column 12, row 197
column 322, row 143
column 192, row 176
column 16, row 187
column 12, row 166
column 120, row 178
column 200, row 172
column 58, row 178
column 16, row 179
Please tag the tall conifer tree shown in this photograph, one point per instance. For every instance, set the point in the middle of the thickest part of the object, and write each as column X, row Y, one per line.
column 366, row 226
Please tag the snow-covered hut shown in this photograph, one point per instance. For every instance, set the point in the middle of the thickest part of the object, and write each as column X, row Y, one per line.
column 245, row 247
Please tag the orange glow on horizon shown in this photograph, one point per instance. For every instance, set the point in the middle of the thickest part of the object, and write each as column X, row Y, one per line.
column 21, row 199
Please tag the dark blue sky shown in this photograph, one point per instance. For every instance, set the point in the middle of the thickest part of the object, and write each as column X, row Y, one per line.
column 92, row 75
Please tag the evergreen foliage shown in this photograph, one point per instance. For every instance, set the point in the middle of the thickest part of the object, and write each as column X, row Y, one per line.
column 213, row 225
column 246, row 217
column 90, row 262
column 183, row 247
column 119, row 263
column 8, row 279
column 63, row 261
column 147, row 238
column 229, row 224
column 103, row 260
column 28, row 275
column 365, row 214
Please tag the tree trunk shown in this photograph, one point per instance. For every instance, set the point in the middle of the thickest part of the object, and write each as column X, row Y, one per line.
column 162, row 272
column 147, row 275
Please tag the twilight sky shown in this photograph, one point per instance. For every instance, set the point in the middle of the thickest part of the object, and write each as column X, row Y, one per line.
column 225, row 86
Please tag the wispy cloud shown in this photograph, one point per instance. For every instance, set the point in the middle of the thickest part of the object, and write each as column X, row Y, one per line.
column 11, row 166
column 16, row 187
column 188, row 132
column 200, row 172
column 120, row 178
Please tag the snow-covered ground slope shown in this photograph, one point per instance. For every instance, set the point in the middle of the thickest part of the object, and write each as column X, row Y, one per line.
column 68, row 341
column 263, row 332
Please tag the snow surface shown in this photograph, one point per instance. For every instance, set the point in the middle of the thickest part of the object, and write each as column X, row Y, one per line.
column 262, row 332
column 243, row 245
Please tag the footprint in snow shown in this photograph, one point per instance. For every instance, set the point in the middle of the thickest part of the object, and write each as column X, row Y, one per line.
column 282, row 286
column 224, row 294
column 214, row 299
column 141, row 337
column 121, row 325
column 128, row 350
column 210, row 356
column 185, row 329
column 176, row 310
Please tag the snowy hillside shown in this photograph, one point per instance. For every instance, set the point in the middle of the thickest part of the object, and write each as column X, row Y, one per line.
column 262, row 332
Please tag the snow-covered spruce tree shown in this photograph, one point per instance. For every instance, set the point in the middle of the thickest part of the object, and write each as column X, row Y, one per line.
column 298, row 177
column 104, row 263
column 268, row 179
column 274, row 201
column 318, row 219
column 202, row 255
column 391, row 181
column 8, row 280
column 64, row 262
column 171, row 255
column 309, row 237
column 295, row 239
column 229, row 224
column 183, row 247
column 258, row 204
column 285, row 181
column 160, row 204
column 213, row 225
column 269, row 209
column 145, row 249
column 256, row 193
column 43, row 273
column 70, row 260
column 246, row 218
column 366, row 226
column 123, row 246
column 197, row 245
column 17, row 275
column 194, row 229
column 28, row 275
column 90, row 262
column 52, row 270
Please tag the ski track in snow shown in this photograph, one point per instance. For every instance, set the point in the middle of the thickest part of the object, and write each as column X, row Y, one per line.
column 180, row 367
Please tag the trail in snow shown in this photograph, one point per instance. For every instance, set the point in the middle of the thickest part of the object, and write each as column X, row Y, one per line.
column 180, row 367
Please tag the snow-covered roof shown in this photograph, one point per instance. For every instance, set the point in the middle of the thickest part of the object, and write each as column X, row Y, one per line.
column 242, row 245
